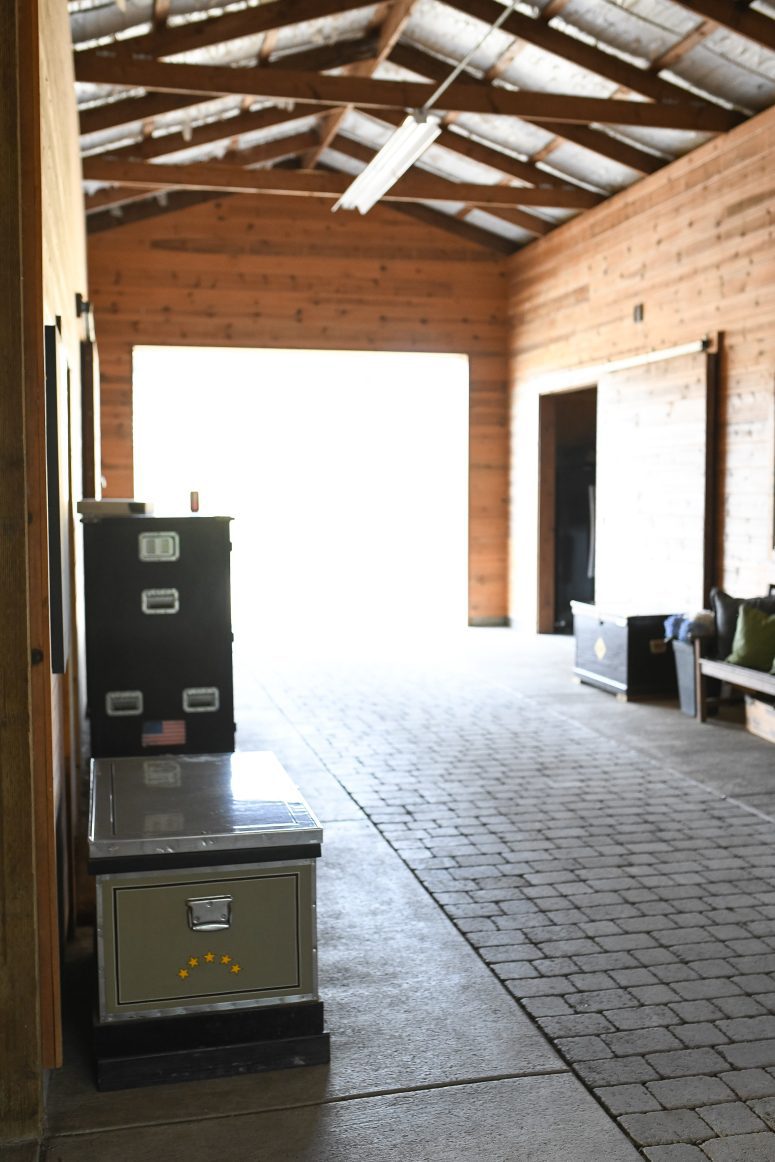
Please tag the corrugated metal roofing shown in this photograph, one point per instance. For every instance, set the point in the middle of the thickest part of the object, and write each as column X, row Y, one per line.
column 576, row 48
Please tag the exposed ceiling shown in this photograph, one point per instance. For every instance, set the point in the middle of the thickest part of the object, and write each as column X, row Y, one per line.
column 568, row 102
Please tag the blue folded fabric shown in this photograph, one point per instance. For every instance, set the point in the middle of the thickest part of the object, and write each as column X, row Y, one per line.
column 684, row 627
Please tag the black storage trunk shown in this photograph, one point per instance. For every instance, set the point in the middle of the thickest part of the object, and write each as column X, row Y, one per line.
column 158, row 635
column 626, row 654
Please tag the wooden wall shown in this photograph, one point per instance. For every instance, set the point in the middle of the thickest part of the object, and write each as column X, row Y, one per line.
column 43, row 244
column 695, row 245
column 254, row 271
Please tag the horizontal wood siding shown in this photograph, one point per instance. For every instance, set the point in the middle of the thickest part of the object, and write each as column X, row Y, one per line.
column 695, row 246
column 266, row 272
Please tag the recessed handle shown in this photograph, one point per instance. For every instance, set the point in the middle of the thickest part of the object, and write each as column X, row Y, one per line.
column 123, row 703
column 209, row 913
column 160, row 600
column 201, row 699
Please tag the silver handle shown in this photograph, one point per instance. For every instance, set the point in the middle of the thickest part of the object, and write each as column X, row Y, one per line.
column 209, row 913
column 160, row 600
column 201, row 699
column 122, row 703
column 159, row 546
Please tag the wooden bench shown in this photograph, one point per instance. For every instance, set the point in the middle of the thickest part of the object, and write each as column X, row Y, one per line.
column 758, row 681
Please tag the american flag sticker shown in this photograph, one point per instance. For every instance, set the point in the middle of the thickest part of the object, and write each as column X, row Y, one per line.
column 166, row 732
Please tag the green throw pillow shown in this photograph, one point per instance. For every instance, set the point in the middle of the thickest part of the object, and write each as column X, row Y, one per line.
column 754, row 641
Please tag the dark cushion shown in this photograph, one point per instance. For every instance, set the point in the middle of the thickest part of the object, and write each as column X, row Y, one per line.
column 726, row 609
column 754, row 643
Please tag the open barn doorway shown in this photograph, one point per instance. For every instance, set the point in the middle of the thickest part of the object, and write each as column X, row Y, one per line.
column 346, row 474
column 567, row 504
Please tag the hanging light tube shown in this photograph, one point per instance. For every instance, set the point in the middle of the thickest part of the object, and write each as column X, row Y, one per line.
column 409, row 141
column 397, row 155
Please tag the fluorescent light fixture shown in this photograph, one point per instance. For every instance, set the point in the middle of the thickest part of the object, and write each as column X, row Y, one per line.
column 397, row 155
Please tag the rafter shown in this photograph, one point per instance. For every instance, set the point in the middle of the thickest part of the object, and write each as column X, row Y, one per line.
column 127, row 110
column 160, row 14
column 231, row 26
column 306, row 183
column 461, row 229
column 291, row 146
column 210, row 134
column 578, row 52
column 148, row 207
column 672, row 55
column 311, row 88
column 529, row 222
column 640, row 160
column 389, row 33
column 737, row 18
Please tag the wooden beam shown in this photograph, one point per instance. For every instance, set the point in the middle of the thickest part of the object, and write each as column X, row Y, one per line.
column 389, row 32
column 208, row 134
column 459, row 227
column 619, row 151
column 578, row 52
column 284, row 147
column 530, row 222
column 146, row 207
column 683, row 46
column 231, row 26
column 737, row 18
column 161, row 11
column 306, row 183
column 365, row 92
column 130, row 109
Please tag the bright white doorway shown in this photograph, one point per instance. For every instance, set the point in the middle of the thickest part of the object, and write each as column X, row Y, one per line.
column 346, row 474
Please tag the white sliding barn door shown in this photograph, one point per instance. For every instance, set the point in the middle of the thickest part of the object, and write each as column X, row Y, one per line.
column 655, row 520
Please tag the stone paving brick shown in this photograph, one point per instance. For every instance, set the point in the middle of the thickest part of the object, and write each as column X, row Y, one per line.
column 642, row 1017
column 675, row 1154
column 579, row 1025
column 641, row 1041
column 742, row 1148
column 699, row 1034
column 684, row 1062
column 750, row 1055
column 688, row 1092
column 616, row 1071
column 750, row 1083
column 749, row 1028
column 731, row 1118
column 583, row 1048
column 627, row 1099
column 696, row 1011
column 665, row 1126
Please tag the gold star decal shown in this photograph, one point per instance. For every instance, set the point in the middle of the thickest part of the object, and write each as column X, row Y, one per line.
column 183, row 973
column 235, row 968
column 209, row 957
column 193, row 962
column 225, row 959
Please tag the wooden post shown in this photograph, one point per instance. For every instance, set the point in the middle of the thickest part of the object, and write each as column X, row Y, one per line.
column 21, row 1097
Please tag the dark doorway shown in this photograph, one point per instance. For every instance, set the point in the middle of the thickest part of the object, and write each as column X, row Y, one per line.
column 568, row 425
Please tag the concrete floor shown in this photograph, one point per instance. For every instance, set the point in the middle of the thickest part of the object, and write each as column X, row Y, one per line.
column 436, row 1053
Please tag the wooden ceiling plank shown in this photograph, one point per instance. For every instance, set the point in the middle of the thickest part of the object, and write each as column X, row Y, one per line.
column 230, row 26
column 424, row 64
column 366, row 92
column 310, row 183
column 578, row 52
column 737, row 18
